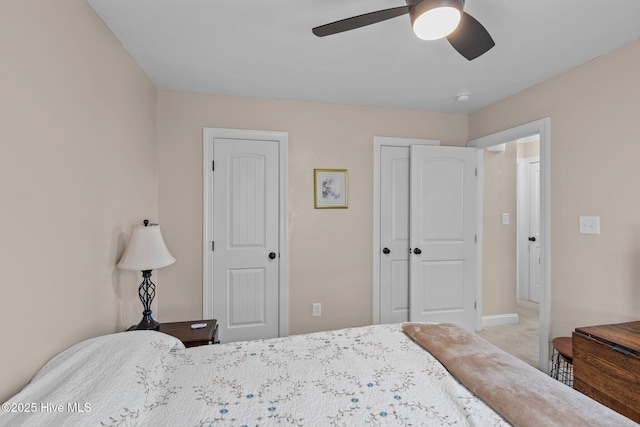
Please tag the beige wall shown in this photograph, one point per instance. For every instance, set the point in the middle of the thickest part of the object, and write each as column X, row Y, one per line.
column 529, row 149
column 595, row 148
column 499, row 241
column 77, row 169
column 330, row 250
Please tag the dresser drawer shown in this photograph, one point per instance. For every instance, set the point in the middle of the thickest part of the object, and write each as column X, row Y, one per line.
column 607, row 373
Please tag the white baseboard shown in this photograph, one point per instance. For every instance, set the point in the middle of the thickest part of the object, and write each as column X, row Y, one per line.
column 500, row 320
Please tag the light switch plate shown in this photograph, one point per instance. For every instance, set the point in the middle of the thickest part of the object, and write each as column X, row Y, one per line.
column 589, row 224
column 505, row 219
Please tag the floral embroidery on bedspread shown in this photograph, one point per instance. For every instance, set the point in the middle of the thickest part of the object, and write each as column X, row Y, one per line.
column 156, row 385
column 371, row 376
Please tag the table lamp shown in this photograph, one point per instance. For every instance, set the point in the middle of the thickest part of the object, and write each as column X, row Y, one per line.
column 146, row 250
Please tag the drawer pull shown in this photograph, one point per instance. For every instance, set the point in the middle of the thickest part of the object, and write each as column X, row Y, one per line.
column 622, row 350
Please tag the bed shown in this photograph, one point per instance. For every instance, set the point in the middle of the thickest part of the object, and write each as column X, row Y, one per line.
column 380, row 375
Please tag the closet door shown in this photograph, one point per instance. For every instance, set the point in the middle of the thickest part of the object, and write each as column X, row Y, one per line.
column 443, row 259
column 394, row 234
column 245, row 218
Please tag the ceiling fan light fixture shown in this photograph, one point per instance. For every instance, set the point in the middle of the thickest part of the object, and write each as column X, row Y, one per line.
column 435, row 19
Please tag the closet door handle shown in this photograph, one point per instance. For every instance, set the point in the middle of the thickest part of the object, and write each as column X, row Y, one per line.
column 417, row 251
column 272, row 255
column 386, row 251
column 532, row 239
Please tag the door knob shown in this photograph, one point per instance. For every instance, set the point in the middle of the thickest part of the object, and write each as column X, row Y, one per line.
column 386, row 251
column 417, row 251
column 272, row 255
column 532, row 239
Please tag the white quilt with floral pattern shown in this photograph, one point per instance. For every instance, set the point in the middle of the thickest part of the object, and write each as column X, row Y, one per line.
column 368, row 376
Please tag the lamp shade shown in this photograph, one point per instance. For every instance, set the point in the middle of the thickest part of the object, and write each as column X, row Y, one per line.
column 146, row 250
column 435, row 19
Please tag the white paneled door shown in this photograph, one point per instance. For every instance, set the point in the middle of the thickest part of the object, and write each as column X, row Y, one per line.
column 394, row 234
column 535, row 287
column 245, row 238
column 428, row 252
column 443, row 259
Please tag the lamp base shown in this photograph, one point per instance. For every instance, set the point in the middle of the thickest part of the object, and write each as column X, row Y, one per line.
column 147, row 323
column 147, row 291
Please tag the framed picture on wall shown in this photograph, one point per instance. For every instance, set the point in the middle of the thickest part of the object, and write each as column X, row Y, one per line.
column 330, row 188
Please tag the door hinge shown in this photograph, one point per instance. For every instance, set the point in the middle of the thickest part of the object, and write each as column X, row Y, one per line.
column 475, row 305
column 212, row 245
column 476, row 172
column 475, row 238
column 213, row 165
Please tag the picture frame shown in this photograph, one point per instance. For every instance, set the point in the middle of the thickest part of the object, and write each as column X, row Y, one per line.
column 330, row 188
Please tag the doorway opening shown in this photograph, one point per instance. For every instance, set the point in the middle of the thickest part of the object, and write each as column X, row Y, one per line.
column 511, row 238
column 541, row 128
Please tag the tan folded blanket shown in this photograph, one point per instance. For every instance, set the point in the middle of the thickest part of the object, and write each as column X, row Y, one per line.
column 523, row 395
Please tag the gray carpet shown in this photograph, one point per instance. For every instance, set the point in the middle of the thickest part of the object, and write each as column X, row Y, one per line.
column 521, row 340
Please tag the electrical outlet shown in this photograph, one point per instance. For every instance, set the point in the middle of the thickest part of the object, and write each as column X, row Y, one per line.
column 589, row 224
column 316, row 309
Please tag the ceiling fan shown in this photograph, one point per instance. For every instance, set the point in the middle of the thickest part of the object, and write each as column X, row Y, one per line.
column 431, row 20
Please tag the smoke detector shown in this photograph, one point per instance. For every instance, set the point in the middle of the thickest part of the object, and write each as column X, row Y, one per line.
column 462, row 97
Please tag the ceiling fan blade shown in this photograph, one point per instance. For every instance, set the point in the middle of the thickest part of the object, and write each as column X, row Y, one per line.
column 359, row 21
column 470, row 39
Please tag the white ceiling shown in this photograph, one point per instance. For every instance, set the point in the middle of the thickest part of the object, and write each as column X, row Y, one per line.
column 265, row 49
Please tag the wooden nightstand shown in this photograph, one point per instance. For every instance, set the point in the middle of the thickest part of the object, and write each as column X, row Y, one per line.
column 192, row 337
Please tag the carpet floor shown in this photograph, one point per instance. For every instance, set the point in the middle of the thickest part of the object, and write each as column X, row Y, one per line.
column 521, row 340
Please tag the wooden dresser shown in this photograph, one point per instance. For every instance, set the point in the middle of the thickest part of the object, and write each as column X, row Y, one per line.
column 606, row 366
